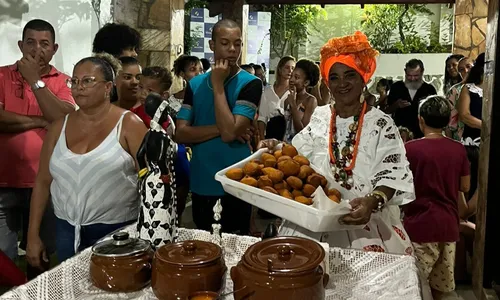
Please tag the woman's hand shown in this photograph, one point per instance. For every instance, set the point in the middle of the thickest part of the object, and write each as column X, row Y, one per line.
column 35, row 252
column 291, row 100
column 361, row 211
column 270, row 144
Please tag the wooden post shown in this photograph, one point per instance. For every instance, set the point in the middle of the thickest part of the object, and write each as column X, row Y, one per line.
column 485, row 259
column 237, row 11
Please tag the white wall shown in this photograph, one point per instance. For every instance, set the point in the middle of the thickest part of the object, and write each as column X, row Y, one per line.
column 74, row 21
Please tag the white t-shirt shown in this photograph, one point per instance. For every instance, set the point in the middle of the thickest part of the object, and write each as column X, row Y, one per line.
column 271, row 105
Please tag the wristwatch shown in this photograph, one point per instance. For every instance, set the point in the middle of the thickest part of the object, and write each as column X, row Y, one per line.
column 38, row 85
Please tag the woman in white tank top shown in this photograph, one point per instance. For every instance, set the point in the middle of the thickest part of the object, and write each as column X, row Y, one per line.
column 87, row 165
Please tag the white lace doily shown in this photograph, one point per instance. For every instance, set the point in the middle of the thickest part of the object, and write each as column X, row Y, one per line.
column 354, row 275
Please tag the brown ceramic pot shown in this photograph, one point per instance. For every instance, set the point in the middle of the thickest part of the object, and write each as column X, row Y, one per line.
column 122, row 264
column 281, row 268
column 183, row 268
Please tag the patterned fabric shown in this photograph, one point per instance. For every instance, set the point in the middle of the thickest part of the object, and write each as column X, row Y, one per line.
column 436, row 263
column 455, row 127
column 381, row 161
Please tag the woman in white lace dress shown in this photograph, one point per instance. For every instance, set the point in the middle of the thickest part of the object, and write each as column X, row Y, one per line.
column 359, row 147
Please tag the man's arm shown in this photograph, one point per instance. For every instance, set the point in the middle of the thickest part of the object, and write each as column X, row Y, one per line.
column 187, row 134
column 52, row 106
column 13, row 123
column 233, row 124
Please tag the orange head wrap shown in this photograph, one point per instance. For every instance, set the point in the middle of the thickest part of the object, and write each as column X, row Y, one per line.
column 353, row 51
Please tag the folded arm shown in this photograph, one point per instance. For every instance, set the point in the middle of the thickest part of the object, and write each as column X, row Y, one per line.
column 464, row 110
column 11, row 122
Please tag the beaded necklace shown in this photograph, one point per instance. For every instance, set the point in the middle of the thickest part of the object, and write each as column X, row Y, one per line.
column 343, row 160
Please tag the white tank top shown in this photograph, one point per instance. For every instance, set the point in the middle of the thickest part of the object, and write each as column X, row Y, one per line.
column 99, row 186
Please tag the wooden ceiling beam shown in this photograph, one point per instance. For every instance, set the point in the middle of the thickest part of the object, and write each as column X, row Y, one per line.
column 325, row 2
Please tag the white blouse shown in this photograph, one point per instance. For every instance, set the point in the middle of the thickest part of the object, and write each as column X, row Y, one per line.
column 381, row 161
column 271, row 105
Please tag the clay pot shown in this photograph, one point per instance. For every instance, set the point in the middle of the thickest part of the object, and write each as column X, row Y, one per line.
column 183, row 268
column 204, row 296
column 122, row 264
column 281, row 268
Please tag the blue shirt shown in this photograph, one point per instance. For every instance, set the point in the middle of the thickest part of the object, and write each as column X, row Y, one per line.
column 243, row 93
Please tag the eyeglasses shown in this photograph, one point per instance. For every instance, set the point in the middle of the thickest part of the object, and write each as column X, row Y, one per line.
column 86, row 82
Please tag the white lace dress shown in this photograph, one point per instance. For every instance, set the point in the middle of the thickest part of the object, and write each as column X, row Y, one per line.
column 381, row 161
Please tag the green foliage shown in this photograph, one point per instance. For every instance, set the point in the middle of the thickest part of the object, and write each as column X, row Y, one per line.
column 188, row 40
column 289, row 26
column 380, row 21
column 337, row 21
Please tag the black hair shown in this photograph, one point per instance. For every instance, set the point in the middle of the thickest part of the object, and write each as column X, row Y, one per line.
column 386, row 83
column 128, row 61
column 258, row 67
column 224, row 23
column 183, row 62
column 435, row 110
column 414, row 63
column 205, row 63
column 310, row 69
column 448, row 80
column 476, row 73
column 153, row 101
column 108, row 65
column 160, row 73
column 113, row 38
column 283, row 61
column 247, row 68
column 40, row 25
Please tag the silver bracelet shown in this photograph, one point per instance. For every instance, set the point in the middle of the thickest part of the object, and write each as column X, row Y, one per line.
column 381, row 199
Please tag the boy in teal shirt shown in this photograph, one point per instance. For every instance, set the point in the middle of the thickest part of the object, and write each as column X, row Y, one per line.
column 218, row 110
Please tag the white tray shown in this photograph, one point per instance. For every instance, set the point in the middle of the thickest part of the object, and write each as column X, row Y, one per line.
column 309, row 217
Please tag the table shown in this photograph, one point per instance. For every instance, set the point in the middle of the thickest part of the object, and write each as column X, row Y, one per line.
column 354, row 274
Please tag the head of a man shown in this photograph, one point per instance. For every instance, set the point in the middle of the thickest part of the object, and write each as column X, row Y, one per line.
column 414, row 74
column 226, row 41
column 39, row 38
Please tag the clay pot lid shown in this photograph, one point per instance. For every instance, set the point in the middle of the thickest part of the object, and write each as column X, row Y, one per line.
column 120, row 245
column 287, row 255
column 189, row 253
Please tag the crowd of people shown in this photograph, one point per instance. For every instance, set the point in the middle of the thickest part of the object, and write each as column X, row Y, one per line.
column 69, row 171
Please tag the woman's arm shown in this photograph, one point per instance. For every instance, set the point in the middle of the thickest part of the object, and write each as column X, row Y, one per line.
column 40, row 195
column 464, row 110
column 301, row 119
column 133, row 133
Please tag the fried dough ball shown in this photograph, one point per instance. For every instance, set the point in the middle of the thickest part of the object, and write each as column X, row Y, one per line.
column 294, row 182
column 275, row 175
column 251, row 169
column 289, row 150
column 297, row 193
column 235, row 174
column 283, row 158
column 257, row 161
column 324, row 182
column 334, row 192
column 334, row 198
column 285, row 193
column 264, row 181
column 302, row 160
column 265, row 156
column 282, row 186
column 314, row 180
column 304, row 200
column 308, row 190
column 289, row 167
column 278, row 154
column 248, row 180
column 270, row 189
column 270, row 162
column 305, row 171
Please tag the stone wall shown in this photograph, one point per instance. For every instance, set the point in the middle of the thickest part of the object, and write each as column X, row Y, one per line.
column 470, row 27
column 161, row 24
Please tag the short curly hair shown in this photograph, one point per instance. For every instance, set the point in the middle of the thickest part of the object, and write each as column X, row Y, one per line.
column 311, row 70
column 113, row 38
column 183, row 62
column 160, row 73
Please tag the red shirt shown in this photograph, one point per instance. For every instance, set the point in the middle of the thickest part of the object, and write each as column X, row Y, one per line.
column 20, row 152
column 437, row 166
column 140, row 111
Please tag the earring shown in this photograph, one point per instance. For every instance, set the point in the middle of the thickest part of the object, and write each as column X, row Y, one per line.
column 362, row 98
column 106, row 95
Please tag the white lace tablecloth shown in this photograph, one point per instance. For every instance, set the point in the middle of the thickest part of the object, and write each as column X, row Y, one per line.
column 355, row 275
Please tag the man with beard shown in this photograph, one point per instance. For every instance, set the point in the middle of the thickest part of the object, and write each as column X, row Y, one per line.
column 216, row 115
column 33, row 94
column 405, row 96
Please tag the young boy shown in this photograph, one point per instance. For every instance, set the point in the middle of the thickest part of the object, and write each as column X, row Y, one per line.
column 159, row 80
column 440, row 171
